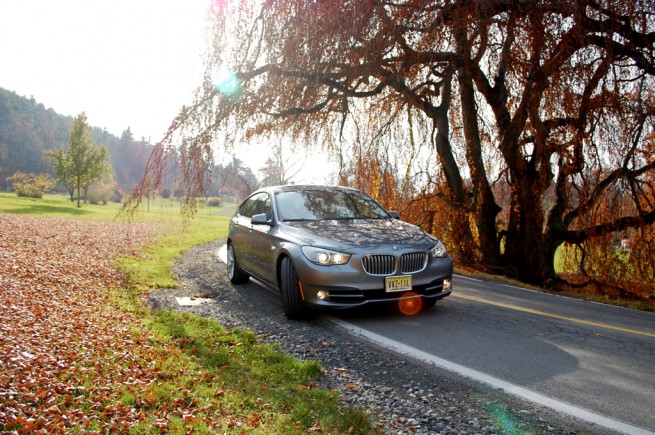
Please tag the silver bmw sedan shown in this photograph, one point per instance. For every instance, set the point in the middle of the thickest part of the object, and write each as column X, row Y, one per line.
column 329, row 247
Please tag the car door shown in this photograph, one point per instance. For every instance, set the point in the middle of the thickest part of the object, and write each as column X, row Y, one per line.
column 264, row 241
column 251, row 241
column 241, row 233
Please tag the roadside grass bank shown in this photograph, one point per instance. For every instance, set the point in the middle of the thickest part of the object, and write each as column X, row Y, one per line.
column 83, row 353
column 588, row 292
column 613, row 275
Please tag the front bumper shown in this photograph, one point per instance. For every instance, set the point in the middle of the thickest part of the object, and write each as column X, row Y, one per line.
column 349, row 286
column 343, row 298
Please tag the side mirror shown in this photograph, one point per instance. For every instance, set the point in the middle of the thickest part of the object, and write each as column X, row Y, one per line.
column 261, row 219
column 394, row 214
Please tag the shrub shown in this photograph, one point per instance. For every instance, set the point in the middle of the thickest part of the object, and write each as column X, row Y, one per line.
column 214, row 202
column 118, row 195
column 103, row 192
column 31, row 185
column 98, row 194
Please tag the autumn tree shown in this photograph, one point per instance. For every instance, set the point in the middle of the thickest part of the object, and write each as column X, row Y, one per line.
column 83, row 163
column 551, row 100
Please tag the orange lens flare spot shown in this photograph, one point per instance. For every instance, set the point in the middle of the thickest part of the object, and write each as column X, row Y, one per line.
column 410, row 304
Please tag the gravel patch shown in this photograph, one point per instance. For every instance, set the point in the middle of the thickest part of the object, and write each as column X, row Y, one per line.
column 401, row 395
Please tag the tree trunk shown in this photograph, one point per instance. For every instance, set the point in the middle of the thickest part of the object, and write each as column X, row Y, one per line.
column 525, row 246
column 457, row 194
column 78, row 193
column 485, row 205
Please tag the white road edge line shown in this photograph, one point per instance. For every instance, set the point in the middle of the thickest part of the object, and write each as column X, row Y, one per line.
column 510, row 388
column 516, row 390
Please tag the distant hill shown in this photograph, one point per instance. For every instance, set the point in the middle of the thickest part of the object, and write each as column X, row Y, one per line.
column 27, row 129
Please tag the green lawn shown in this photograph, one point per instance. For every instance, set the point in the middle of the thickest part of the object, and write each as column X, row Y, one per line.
column 260, row 390
column 59, row 205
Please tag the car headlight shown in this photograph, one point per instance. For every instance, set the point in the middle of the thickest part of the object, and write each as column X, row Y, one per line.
column 439, row 250
column 324, row 257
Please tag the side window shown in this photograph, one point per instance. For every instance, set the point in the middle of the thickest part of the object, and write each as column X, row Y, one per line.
column 257, row 204
column 249, row 207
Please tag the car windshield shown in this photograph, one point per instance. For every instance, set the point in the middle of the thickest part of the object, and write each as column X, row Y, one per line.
column 312, row 205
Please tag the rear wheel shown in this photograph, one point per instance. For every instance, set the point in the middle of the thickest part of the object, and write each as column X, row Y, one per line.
column 292, row 302
column 234, row 272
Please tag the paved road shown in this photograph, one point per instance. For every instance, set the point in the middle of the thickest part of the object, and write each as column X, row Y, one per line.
column 570, row 352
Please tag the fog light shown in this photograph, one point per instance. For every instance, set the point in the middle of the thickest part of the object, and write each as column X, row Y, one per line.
column 447, row 284
column 322, row 295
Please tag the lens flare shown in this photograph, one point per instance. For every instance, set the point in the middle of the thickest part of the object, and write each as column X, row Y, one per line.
column 410, row 304
column 225, row 81
column 503, row 420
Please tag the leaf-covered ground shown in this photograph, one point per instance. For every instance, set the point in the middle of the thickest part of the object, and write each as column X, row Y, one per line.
column 66, row 350
column 79, row 353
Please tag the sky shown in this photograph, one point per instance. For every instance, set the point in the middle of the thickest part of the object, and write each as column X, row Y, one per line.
column 125, row 63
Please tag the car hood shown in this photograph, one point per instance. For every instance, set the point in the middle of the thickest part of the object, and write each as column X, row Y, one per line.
column 361, row 233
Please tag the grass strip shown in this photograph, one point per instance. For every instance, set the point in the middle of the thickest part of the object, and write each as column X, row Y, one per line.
column 259, row 389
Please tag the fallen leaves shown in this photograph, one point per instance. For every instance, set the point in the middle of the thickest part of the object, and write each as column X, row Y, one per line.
column 68, row 354
column 77, row 356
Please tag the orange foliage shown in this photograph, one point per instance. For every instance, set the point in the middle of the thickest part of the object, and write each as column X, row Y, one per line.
column 538, row 115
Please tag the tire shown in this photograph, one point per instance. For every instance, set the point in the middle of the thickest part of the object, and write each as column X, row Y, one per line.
column 292, row 302
column 428, row 303
column 234, row 271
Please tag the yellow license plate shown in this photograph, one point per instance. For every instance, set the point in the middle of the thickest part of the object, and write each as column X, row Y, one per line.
column 397, row 283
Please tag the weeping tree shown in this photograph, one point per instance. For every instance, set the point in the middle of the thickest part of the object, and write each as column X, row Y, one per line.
column 551, row 102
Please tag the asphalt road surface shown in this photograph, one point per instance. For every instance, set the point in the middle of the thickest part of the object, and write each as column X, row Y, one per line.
column 593, row 361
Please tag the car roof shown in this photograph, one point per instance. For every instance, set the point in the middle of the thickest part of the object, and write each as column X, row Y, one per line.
column 301, row 187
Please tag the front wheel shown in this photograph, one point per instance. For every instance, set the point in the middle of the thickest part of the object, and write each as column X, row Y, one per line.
column 234, row 271
column 427, row 303
column 292, row 302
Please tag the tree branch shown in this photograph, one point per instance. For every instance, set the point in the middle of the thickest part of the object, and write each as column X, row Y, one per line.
column 620, row 224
